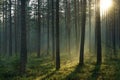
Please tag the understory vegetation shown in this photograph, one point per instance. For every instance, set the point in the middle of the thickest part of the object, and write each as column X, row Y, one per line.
column 44, row 69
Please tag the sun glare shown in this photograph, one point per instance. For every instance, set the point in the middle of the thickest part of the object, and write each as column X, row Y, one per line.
column 105, row 4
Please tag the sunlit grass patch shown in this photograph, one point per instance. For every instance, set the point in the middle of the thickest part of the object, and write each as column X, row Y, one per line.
column 43, row 68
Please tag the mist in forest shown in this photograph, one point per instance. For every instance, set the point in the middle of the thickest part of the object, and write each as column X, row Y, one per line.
column 59, row 39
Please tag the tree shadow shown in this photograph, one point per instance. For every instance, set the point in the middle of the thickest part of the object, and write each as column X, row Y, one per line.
column 72, row 75
column 76, row 74
column 115, row 64
column 49, row 75
column 40, row 67
column 95, row 72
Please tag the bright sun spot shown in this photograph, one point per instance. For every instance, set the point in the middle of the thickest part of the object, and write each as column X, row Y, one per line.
column 105, row 4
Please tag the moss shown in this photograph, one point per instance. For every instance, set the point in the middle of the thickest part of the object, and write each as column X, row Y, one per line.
column 44, row 69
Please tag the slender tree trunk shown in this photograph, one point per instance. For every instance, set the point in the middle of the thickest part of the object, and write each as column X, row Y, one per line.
column 114, row 33
column 68, row 16
column 0, row 36
column 76, row 27
column 53, row 39
column 69, row 27
column 18, row 37
column 23, row 54
column 48, row 24
column 10, row 29
column 89, row 25
column 98, row 33
column 81, row 60
column 5, row 28
column 57, row 37
column 39, row 30
column 66, row 26
column 15, row 22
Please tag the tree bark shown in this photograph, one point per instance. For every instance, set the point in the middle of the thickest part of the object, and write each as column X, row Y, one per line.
column 57, row 37
column 98, row 33
column 39, row 30
column 23, row 53
column 53, row 39
column 81, row 60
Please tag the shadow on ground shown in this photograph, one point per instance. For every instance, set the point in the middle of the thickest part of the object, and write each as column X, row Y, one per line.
column 95, row 73
column 82, row 73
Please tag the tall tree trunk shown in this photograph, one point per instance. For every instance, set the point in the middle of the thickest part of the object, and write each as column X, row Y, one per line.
column 48, row 24
column 23, row 54
column 114, row 32
column 15, row 22
column 76, row 26
column 68, row 17
column 89, row 25
column 3, row 9
column 81, row 60
column 10, row 29
column 18, row 27
column 0, row 36
column 57, row 37
column 98, row 33
column 5, row 28
column 66, row 26
column 39, row 30
column 53, row 37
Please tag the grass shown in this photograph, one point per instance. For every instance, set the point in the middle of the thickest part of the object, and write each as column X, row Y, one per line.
column 44, row 69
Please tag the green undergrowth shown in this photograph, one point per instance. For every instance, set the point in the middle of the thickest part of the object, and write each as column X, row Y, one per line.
column 43, row 68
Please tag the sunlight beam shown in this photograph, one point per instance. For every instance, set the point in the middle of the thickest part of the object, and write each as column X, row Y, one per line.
column 105, row 5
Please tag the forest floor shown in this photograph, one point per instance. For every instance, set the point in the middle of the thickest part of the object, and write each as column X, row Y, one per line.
column 44, row 69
